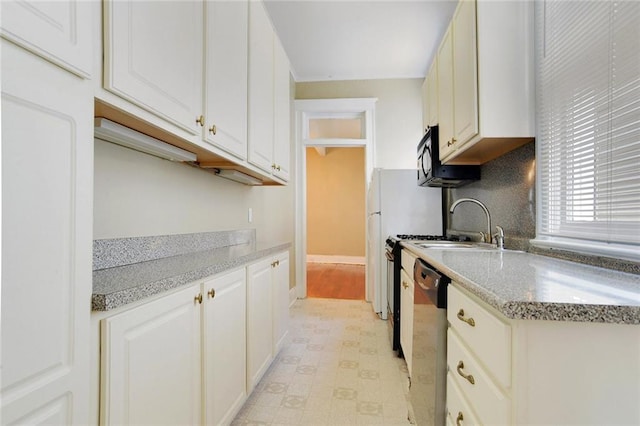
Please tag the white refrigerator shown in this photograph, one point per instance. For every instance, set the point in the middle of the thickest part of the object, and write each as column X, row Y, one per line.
column 396, row 205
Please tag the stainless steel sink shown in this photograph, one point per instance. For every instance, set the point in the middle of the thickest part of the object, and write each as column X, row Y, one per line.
column 455, row 245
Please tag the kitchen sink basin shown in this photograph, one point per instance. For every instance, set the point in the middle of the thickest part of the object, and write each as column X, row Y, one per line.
column 456, row 245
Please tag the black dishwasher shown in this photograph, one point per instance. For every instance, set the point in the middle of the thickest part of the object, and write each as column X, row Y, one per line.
column 429, row 370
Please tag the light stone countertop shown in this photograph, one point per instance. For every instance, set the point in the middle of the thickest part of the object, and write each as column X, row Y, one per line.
column 117, row 286
column 533, row 287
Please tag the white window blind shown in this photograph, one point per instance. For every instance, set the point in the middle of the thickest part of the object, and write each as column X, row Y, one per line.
column 588, row 95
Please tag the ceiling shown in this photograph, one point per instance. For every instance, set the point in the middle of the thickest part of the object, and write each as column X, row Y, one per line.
column 354, row 40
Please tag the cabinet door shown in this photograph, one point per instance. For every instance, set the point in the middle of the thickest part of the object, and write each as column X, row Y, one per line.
column 445, row 95
column 226, row 75
column 406, row 317
column 282, row 113
column 425, row 103
column 59, row 31
column 259, row 321
column 465, row 74
column 150, row 359
column 47, row 173
column 432, row 94
column 153, row 53
column 224, row 331
column 260, row 88
column 280, row 301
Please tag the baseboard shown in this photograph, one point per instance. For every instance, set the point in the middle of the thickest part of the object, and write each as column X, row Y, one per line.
column 323, row 258
column 292, row 296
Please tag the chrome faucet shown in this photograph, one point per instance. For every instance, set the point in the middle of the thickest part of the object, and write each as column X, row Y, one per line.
column 487, row 236
column 499, row 237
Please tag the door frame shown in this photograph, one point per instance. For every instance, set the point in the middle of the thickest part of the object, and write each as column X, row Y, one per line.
column 326, row 108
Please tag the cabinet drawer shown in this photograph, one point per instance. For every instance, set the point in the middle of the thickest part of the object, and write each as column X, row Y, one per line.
column 488, row 337
column 408, row 259
column 489, row 402
column 458, row 410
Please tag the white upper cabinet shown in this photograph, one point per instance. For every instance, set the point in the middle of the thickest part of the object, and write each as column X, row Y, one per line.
column 226, row 76
column 261, row 72
column 445, row 95
column 432, row 94
column 47, row 167
column 59, row 31
column 282, row 113
column 465, row 77
column 485, row 81
column 153, row 57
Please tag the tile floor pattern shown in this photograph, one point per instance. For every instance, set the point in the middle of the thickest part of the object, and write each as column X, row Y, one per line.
column 336, row 368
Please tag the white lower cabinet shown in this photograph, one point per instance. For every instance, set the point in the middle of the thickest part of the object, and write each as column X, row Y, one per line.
column 406, row 317
column 224, row 333
column 194, row 355
column 503, row 371
column 151, row 365
column 280, row 301
column 267, row 313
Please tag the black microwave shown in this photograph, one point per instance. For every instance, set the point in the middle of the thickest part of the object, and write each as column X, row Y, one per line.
column 431, row 172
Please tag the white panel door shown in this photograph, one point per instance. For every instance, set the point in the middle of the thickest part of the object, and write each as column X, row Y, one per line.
column 260, row 87
column 259, row 321
column 445, row 95
column 465, row 73
column 282, row 113
column 153, row 57
column 47, row 174
column 150, row 355
column 280, row 301
column 226, row 75
column 224, row 331
column 59, row 31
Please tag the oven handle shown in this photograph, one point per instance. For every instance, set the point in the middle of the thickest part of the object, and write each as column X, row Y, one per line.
column 389, row 256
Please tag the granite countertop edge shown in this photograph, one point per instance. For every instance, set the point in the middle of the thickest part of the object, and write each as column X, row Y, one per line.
column 107, row 301
column 536, row 310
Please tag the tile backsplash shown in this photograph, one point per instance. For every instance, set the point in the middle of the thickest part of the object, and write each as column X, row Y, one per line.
column 507, row 188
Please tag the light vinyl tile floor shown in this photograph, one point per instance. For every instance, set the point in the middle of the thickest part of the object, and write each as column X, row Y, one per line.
column 336, row 368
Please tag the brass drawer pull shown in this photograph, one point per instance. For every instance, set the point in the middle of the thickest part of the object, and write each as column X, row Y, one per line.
column 200, row 121
column 469, row 377
column 211, row 293
column 405, row 285
column 198, row 298
column 469, row 321
column 459, row 419
column 213, row 130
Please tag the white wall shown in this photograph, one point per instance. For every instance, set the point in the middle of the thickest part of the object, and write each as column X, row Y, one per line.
column 398, row 114
column 136, row 194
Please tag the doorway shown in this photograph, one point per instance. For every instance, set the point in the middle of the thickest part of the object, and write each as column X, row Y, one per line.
column 336, row 240
column 321, row 124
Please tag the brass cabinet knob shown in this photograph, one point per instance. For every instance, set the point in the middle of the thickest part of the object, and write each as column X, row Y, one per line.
column 213, row 130
column 273, row 166
column 469, row 321
column 459, row 419
column 278, row 168
column 200, row 120
column 211, row 293
column 405, row 285
column 469, row 377
column 198, row 298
